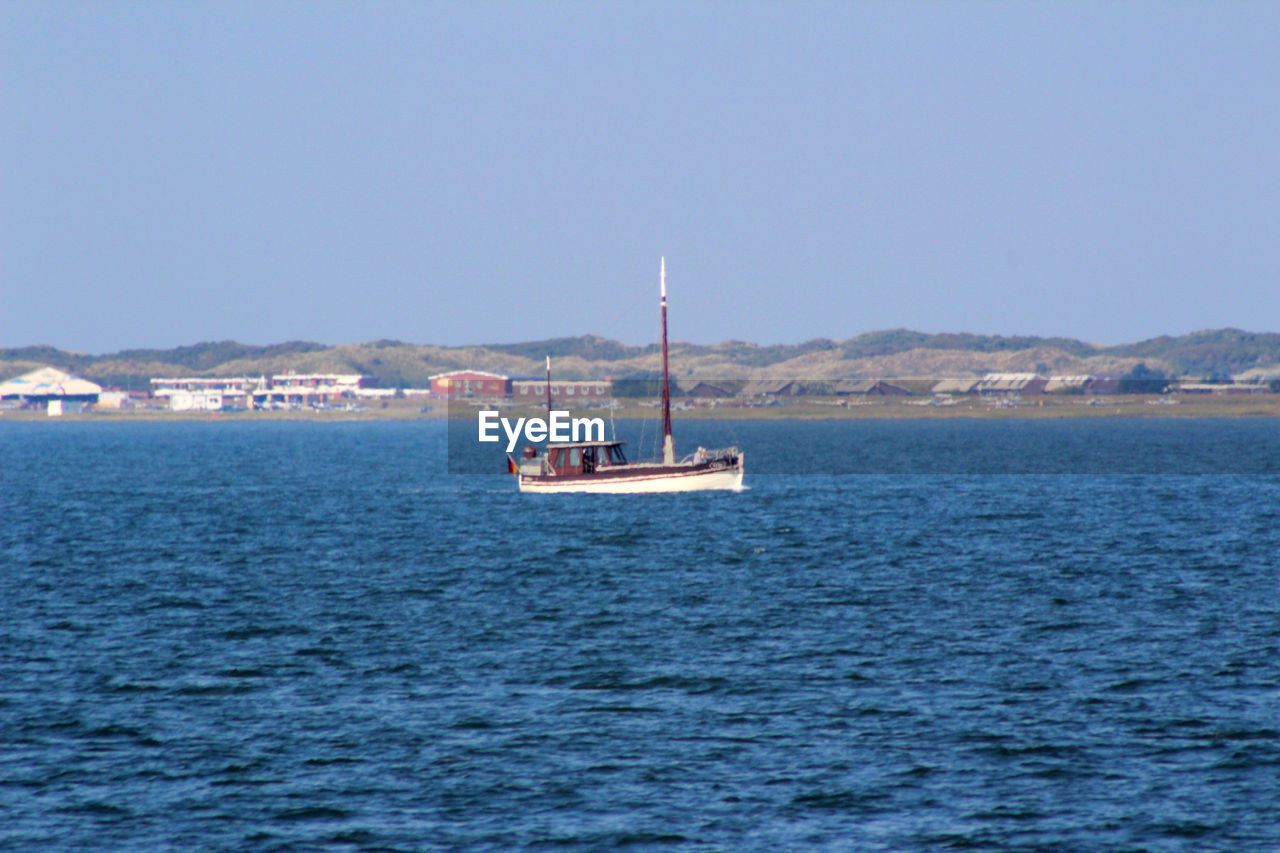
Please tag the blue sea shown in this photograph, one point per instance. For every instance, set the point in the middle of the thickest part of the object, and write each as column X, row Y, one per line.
column 1007, row 635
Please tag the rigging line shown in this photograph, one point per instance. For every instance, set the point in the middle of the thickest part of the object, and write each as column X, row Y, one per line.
column 733, row 433
column 646, row 416
column 644, row 422
column 620, row 314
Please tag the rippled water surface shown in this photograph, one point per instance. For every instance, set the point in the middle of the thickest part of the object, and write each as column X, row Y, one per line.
column 292, row 636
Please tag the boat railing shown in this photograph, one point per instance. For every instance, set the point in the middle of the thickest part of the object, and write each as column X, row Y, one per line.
column 702, row 454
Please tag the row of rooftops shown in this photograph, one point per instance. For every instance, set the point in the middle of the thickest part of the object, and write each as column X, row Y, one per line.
column 992, row 383
column 482, row 383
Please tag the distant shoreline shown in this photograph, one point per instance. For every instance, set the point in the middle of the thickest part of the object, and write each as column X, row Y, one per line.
column 1039, row 408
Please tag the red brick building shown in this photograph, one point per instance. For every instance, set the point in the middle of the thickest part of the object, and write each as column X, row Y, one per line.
column 470, row 383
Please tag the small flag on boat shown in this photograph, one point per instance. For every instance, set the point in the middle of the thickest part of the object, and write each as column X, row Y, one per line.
column 511, row 465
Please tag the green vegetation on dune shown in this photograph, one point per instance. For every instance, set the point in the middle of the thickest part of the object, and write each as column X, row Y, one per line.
column 752, row 355
column 872, row 344
column 1210, row 353
column 208, row 355
column 589, row 347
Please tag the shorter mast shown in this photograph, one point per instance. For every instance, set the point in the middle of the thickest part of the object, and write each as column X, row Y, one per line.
column 548, row 389
column 668, row 443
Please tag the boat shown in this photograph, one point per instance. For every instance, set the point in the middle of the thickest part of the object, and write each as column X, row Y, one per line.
column 602, row 467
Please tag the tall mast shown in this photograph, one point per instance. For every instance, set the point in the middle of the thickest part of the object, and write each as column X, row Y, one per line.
column 668, row 443
column 548, row 389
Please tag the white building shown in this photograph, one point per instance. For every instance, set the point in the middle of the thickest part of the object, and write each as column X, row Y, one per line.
column 48, row 384
column 213, row 392
column 205, row 393
column 313, row 387
column 115, row 400
column 195, row 401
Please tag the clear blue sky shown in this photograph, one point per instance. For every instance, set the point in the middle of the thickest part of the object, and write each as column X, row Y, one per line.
column 492, row 172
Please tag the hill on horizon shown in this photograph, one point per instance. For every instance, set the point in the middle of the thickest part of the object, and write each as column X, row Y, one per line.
column 893, row 353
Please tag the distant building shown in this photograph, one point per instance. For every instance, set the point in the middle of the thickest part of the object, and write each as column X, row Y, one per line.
column 458, row 384
column 309, row 388
column 1067, row 384
column 1218, row 389
column 533, row 390
column 770, row 388
column 115, row 400
column 1082, row 385
column 1009, row 384
column 955, row 386
column 205, row 393
column 201, row 393
column 48, row 385
column 1103, row 385
column 867, row 388
column 199, row 401
column 703, row 390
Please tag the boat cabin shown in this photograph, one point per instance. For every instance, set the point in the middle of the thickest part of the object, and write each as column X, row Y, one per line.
column 585, row 457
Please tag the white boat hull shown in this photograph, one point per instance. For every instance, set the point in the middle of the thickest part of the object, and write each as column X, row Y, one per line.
column 646, row 479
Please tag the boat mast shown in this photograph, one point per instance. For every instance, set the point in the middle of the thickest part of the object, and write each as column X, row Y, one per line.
column 668, row 443
column 548, row 389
